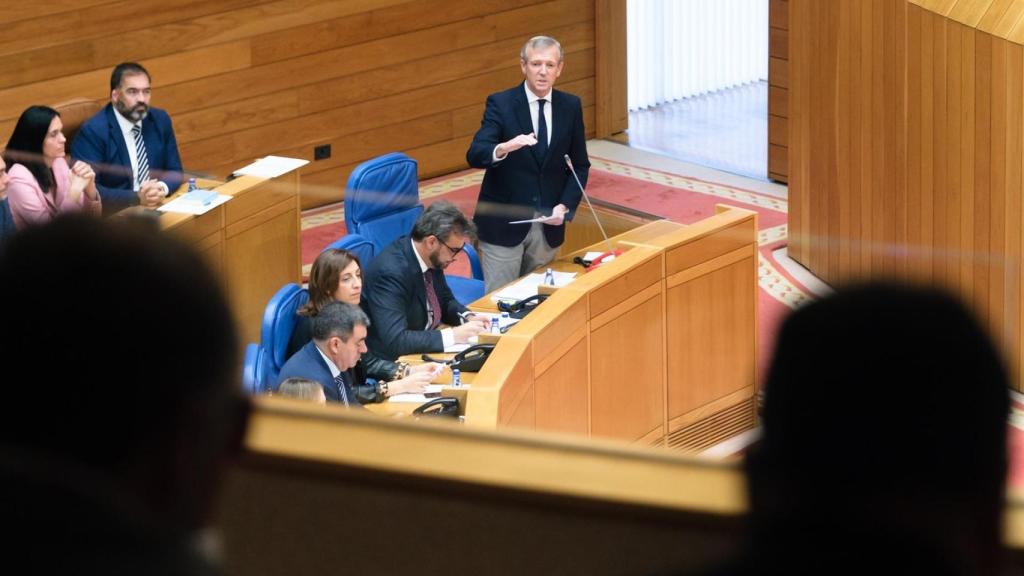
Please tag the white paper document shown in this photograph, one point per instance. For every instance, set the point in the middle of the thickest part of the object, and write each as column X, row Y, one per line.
column 591, row 256
column 532, row 220
column 186, row 204
column 527, row 286
column 271, row 167
column 432, row 389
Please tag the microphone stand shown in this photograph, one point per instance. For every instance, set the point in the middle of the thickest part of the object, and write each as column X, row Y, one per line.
column 612, row 251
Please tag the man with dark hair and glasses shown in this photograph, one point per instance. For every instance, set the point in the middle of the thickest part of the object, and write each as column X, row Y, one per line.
column 406, row 294
column 130, row 145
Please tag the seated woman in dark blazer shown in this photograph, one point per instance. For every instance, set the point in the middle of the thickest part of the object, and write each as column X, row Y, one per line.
column 337, row 275
column 41, row 183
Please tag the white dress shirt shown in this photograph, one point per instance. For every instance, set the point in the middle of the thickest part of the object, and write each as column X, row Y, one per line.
column 447, row 336
column 129, row 140
column 531, row 100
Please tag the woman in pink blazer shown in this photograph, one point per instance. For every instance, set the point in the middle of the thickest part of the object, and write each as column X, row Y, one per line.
column 41, row 183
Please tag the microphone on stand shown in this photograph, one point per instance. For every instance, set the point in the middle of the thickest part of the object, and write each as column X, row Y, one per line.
column 612, row 251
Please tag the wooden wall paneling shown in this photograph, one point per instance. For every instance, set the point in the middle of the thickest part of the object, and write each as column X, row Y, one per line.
column 1013, row 136
column 950, row 251
column 43, row 36
column 18, row 11
column 1004, row 26
column 996, row 14
column 922, row 251
column 166, row 70
column 833, row 150
column 862, row 255
column 914, row 212
column 396, row 19
column 942, row 155
column 778, row 80
column 969, row 12
column 968, row 154
column 612, row 98
column 982, row 254
column 896, row 124
column 996, row 209
column 795, row 165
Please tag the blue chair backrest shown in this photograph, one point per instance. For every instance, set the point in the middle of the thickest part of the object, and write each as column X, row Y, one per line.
column 382, row 198
column 358, row 245
column 254, row 370
column 278, row 324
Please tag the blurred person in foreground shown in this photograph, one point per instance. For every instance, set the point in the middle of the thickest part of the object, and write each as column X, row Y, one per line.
column 110, row 460
column 884, row 445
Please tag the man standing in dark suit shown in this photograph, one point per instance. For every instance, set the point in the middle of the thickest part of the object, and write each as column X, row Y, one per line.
column 523, row 138
column 406, row 294
column 130, row 145
column 339, row 339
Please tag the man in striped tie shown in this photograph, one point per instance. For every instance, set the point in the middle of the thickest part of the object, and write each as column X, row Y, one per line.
column 339, row 339
column 131, row 145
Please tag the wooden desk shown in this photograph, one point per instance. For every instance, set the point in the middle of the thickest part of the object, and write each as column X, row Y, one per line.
column 252, row 241
column 655, row 347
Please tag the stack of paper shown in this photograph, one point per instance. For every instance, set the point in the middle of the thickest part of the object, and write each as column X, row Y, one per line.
column 271, row 167
column 527, row 286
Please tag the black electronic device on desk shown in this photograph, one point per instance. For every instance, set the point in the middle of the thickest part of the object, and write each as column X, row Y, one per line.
column 446, row 406
column 469, row 360
column 523, row 307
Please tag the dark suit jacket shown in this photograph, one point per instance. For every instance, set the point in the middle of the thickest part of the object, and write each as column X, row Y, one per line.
column 396, row 301
column 6, row 220
column 514, row 187
column 369, row 365
column 307, row 363
column 101, row 144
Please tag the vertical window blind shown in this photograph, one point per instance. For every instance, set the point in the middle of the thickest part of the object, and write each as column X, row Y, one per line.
column 682, row 48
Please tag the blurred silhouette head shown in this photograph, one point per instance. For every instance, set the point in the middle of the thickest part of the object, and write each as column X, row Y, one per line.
column 146, row 395
column 885, row 414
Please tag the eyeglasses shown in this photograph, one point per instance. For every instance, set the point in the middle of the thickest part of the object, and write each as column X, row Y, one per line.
column 454, row 251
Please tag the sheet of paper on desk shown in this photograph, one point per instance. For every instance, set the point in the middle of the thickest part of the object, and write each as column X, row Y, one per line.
column 591, row 256
column 186, row 205
column 420, row 398
column 271, row 167
column 527, row 286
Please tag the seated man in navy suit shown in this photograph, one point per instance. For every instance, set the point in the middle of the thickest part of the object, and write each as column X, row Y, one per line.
column 339, row 339
column 406, row 294
column 130, row 145
column 524, row 137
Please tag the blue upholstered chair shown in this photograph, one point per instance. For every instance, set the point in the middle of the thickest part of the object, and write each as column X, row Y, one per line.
column 362, row 247
column 254, row 370
column 382, row 203
column 382, row 199
column 279, row 321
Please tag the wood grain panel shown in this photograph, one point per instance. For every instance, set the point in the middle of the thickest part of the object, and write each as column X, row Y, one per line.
column 923, row 181
column 244, row 79
column 626, row 397
column 561, row 391
column 706, row 339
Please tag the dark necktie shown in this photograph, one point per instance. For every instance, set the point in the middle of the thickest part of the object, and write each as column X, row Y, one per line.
column 140, row 154
column 339, row 383
column 542, row 130
column 432, row 301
